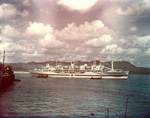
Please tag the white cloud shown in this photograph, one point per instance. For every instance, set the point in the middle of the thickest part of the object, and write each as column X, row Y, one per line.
column 25, row 46
column 147, row 52
column 75, row 42
column 35, row 28
column 98, row 24
column 143, row 41
column 76, row 35
column 20, row 46
column 88, row 40
column 133, row 29
column 4, row 45
column 44, row 35
column 101, row 41
column 9, row 31
column 81, row 57
column 112, row 49
column 146, row 3
column 49, row 41
column 115, row 49
column 132, row 51
column 70, row 41
column 79, row 5
column 7, row 11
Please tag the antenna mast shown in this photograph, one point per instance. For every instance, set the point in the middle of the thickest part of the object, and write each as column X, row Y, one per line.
column 126, row 107
column 4, row 58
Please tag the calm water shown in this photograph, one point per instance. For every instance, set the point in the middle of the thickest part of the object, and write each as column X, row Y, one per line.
column 76, row 97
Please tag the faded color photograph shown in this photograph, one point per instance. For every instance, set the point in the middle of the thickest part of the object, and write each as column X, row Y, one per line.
column 75, row 58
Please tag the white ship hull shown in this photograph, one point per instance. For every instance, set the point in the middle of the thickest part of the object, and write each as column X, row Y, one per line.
column 86, row 75
column 75, row 76
column 115, row 77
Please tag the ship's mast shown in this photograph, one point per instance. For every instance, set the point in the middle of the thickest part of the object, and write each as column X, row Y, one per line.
column 4, row 58
column 112, row 65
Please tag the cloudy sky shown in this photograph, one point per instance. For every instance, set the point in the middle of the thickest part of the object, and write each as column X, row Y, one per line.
column 41, row 30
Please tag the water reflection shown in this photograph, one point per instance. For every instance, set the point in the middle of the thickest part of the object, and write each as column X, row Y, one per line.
column 75, row 97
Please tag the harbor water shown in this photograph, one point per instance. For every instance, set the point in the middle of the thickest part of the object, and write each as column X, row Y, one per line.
column 73, row 98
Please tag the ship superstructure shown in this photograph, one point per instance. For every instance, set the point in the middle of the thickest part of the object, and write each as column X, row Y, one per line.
column 80, row 71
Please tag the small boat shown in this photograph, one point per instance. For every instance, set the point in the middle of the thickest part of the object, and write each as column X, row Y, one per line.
column 7, row 76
